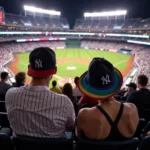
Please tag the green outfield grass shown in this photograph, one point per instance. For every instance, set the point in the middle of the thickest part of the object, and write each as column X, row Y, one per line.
column 117, row 59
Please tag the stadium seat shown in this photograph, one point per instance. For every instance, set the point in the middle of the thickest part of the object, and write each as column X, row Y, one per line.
column 146, row 128
column 6, row 142
column 30, row 143
column 2, row 97
column 130, row 144
column 145, row 143
column 4, row 120
column 2, row 106
column 144, row 113
column 140, row 127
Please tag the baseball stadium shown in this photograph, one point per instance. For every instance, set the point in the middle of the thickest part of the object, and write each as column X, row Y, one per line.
column 73, row 62
column 75, row 86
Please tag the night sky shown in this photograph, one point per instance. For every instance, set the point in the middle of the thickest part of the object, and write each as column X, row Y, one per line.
column 73, row 9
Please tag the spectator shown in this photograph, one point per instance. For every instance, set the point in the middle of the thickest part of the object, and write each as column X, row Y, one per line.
column 20, row 78
column 55, row 88
column 120, row 94
column 76, row 91
column 110, row 119
column 131, row 87
column 3, row 85
column 33, row 110
column 141, row 98
column 86, row 101
column 68, row 91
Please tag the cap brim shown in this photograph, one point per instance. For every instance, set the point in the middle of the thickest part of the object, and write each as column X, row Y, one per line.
column 41, row 73
column 99, row 93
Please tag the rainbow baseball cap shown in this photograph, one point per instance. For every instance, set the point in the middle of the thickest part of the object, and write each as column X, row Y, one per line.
column 101, row 81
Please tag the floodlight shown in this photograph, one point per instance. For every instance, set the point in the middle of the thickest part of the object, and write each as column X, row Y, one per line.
column 40, row 10
column 105, row 14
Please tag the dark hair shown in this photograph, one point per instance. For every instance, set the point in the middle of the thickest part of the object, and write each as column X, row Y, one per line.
column 4, row 75
column 54, row 83
column 20, row 77
column 68, row 90
column 76, row 80
column 142, row 80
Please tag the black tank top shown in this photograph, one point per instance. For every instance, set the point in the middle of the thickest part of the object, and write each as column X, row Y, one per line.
column 114, row 132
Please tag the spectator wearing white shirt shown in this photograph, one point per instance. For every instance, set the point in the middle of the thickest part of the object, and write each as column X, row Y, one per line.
column 35, row 111
column 76, row 91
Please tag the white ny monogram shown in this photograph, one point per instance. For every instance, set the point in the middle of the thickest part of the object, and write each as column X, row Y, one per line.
column 38, row 63
column 105, row 80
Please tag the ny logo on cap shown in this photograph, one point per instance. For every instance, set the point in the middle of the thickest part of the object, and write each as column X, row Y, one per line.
column 105, row 80
column 38, row 63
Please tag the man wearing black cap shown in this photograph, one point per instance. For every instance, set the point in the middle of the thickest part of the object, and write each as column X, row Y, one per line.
column 141, row 98
column 131, row 88
column 33, row 110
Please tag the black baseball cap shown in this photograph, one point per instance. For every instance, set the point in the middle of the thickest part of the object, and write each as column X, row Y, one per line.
column 132, row 85
column 42, row 62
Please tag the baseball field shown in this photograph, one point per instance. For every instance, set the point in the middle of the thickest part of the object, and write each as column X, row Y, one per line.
column 74, row 62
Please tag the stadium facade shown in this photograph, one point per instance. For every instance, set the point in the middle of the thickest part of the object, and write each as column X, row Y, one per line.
column 105, row 32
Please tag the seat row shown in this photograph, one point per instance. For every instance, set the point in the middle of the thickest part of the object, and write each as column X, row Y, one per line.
column 28, row 143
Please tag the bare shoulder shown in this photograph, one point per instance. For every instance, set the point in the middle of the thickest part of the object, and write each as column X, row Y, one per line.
column 84, row 112
column 130, row 108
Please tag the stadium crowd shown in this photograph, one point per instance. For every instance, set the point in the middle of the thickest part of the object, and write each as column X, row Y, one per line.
column 139, row 50
column 97, row 101
column 7, row 49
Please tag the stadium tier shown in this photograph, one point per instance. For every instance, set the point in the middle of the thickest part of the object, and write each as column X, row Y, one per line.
column 111, row 24
column 41, row 22
column 38, row 21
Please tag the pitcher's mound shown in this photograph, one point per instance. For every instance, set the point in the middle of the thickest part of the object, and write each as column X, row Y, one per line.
column 71, row 67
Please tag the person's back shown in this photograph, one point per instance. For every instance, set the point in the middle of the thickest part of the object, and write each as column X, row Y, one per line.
column 141, row 98
column 38, row 112
column 110, row 119
column 33, row 110
column 55, row 88
column 68, row 91
column 117, row 122
column 3, row 85
column 76, row 91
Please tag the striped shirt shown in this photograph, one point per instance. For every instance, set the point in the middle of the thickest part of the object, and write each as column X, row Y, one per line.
column 38, row 112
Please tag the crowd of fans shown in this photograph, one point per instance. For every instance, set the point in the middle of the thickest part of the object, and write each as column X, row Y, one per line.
column 7, row 49
column 98, row 105
column 139, row 50
column 142, row 59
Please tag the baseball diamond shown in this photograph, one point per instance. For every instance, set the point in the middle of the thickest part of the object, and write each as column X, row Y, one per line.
column 73, row 62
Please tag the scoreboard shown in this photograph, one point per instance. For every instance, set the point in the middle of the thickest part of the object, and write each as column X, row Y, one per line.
column 1, row 17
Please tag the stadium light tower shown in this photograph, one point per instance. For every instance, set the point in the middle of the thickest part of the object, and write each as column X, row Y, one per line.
column 40, row 10
column 106, row 14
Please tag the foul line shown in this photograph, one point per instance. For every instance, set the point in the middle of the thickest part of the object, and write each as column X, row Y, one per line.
column 120, row 63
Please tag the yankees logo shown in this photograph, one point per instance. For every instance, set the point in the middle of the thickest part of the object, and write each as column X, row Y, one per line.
column 38, row 63
column 105, row 80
